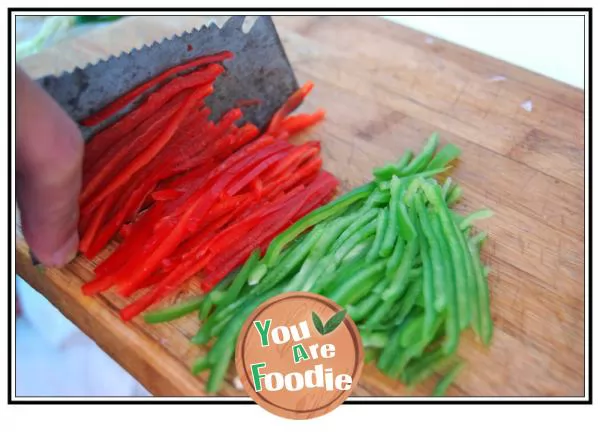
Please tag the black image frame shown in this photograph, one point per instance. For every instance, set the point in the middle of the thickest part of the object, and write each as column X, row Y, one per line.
column 406, row 401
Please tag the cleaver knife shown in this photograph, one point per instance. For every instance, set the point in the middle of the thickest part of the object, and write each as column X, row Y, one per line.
column 260, row 70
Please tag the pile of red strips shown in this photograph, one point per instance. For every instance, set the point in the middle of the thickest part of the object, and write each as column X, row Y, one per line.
column 188, row 196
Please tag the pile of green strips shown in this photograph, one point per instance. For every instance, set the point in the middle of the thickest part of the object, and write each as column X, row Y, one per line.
column 393, row 253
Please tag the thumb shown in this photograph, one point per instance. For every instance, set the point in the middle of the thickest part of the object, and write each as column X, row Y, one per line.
column 49, row 154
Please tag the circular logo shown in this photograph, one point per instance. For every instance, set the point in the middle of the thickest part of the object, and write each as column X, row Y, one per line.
column 299, row 355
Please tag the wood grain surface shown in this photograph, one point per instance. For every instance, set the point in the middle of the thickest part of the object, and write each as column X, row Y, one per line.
column 386, row 88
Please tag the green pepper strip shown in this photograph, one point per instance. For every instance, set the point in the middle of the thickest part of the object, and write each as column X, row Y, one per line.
column 483, row 297
column 358, row 286
column 358, row 222
column 386, row 172
column 467, row 222
column 240, row 280
column 174, row 312
column 397, row 286
column 382, row 222
column 421, row 161
column 444, row 383
column 332, row 209
column 361, row 309
column 452, row 317
column 446, row 155
column 429, row 289
column 392, row 229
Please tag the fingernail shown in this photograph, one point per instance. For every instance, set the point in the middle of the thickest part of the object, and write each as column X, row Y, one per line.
column 67, row 252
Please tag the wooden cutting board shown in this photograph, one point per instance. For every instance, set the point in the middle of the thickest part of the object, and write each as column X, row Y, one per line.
column 386, row 88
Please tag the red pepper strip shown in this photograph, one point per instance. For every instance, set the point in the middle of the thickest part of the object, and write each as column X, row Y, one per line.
column 140, row 230
column 238, row 184
column 295, row 158
column 223, row 208
column 294, row 124
column 145, row 180
column 166, row 195
column 127, row 154
column 247, row 102
column 169, row 240
column 104, row 165
column 249, row 162
column 97, row 285
column 169, row 285
column 226, row 166
column 299, row 176
column 194, row 140
column 290, row 105
column 233, row 233
column 257, row 187
column 218, row 218
column 94, row 226
column 129, row 204
column 107, row 137
column 220, row 139
column 269, row 228
column 246, row 134
column 322, row 190
column 195, row 245
column 123, row 101
column 125, row 230
column 152, row 150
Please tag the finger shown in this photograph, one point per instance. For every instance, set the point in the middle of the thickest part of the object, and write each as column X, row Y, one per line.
column 49, row 156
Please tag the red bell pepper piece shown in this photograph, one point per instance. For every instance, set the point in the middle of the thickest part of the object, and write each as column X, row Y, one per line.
column 107, row 137
column 140, row 230
column 238, row 184
column 114, row 157
column 166, row 195
column 167, row 286
column 290, row 105
column 93, row 227
column 303, row 175
column 223, row 263
column 295, row 158
column 294, row 124
column 125, row 100
column 166, row 241
column 150, row 152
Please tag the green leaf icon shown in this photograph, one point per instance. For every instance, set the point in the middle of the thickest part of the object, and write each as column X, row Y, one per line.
column 318, row 323
column 334, row 321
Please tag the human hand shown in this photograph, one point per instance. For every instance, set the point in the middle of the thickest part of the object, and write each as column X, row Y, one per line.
column 49, row 155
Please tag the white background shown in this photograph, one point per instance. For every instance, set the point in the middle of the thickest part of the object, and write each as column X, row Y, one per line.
column 249, row 417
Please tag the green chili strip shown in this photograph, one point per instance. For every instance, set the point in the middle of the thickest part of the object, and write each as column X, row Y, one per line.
column 331, row 209
column 173, row 312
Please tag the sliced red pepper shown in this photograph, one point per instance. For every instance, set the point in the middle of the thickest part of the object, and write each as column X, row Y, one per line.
column 125, row 100
column 166, row 195
column 249, row 162
column 295, row 158
column 129, row 204
column 93, row 227
column 302, row 175
column 290, row 105
column 241, row 103
column 225, row 263
column 151, row 151
column 294, row 124
column 107, row 137
column 168, row 286
column 169, row 240
column 246, row 178
column 140, row 230
column 97, row 170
